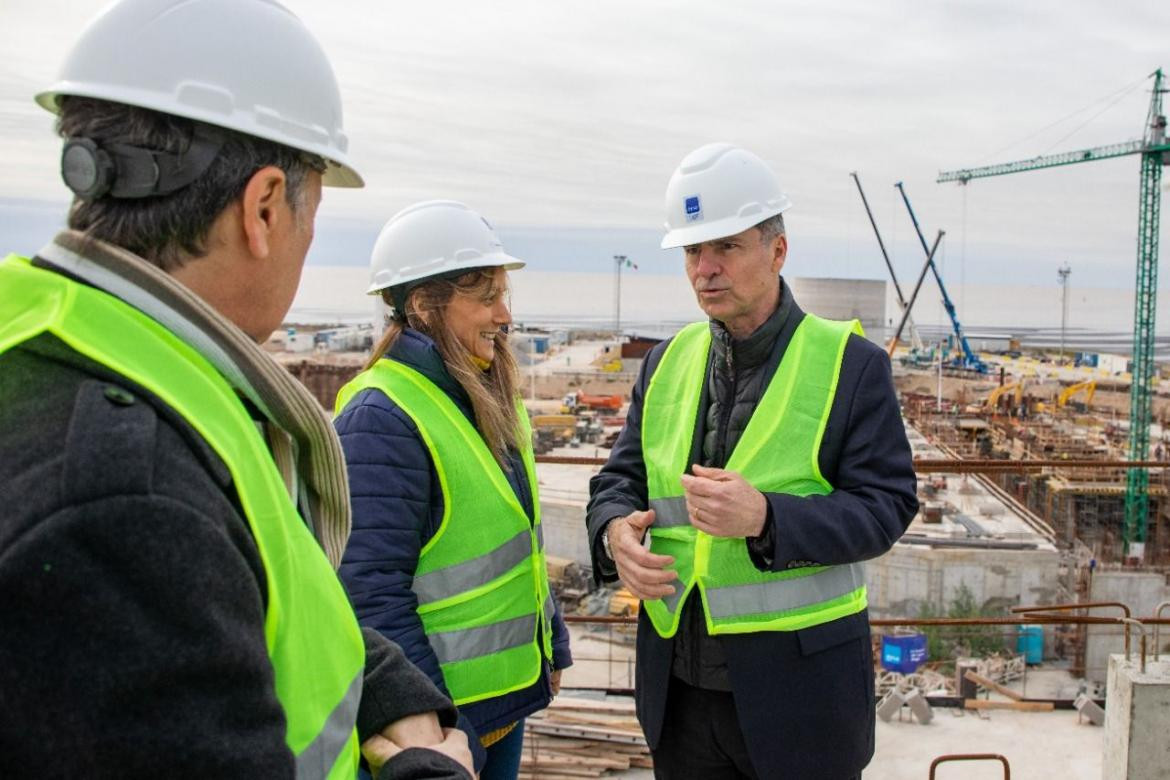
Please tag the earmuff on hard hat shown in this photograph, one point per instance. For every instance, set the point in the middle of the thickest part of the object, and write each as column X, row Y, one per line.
column 93, row 170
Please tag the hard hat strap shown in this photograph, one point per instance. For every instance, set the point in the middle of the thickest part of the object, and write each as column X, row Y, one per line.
column 93, row 170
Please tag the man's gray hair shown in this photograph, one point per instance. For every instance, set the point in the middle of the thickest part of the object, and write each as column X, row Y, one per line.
column 171, row 229
column 770, row 228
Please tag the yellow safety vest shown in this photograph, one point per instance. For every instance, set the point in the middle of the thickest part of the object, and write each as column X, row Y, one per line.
column 313, row 639
column 777, row 453
column 481, row 580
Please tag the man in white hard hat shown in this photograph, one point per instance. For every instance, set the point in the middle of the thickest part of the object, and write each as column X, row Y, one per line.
column 764, row 459
column 174, row 502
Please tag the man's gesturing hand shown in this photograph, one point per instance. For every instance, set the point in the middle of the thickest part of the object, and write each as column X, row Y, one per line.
column 642, row 572
column 722, row 503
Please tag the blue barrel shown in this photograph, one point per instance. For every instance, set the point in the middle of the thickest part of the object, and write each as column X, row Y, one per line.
column 1030, row 643
column 904, row 653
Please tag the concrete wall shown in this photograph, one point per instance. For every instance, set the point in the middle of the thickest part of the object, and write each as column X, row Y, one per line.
column 842, row 299
column 907, row 577
column 1141, row 592
column 564, row 530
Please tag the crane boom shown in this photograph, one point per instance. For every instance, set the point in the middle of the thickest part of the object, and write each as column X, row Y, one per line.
column 964, row 175
column 914, row 339
column 970, row 359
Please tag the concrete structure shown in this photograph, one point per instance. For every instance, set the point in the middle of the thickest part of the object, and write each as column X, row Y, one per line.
column 1141, row 592
column 908, row 577
column 564, row 529
column 842, row 299
column 963, row 536
column 564, row 492
column 1137, row 720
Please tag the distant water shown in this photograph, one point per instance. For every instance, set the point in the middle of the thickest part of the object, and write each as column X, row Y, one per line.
column 657, row 304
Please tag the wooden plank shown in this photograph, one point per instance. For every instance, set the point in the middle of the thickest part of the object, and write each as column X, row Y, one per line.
column 580, row 770
column 609, row 748
column 1021, row 706
column 536, row 741
column 613, row 722
column 979, row 679
column 590, row 732
column 592, row 705
column 557, row 760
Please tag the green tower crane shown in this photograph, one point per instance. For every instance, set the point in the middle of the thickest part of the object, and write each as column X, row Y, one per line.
column 1155, row 153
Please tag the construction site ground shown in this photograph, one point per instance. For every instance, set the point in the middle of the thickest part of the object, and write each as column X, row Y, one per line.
column 1037, row 744
column 573, row 367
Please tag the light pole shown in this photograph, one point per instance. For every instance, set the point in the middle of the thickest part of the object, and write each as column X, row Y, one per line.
column 1062, row 273
column 618, row 262
column 938, row 397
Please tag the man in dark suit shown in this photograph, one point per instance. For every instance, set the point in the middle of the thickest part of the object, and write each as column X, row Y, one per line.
column 762, row 460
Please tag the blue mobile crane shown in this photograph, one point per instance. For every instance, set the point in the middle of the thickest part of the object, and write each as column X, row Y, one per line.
column 967, row 359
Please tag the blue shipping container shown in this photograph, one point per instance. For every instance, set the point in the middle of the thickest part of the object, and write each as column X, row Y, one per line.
column 1030, row 643
column 903, row 653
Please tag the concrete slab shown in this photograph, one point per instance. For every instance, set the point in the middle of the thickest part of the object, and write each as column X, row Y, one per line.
column 1036, row 744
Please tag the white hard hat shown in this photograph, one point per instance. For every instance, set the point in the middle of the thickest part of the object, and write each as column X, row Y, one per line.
column 247, row 65
column 717, row 191
column 432, row 238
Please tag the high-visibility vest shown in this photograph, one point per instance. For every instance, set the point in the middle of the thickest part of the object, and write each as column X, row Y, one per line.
column 481, row 580
column 313, row 639
column 777, row 453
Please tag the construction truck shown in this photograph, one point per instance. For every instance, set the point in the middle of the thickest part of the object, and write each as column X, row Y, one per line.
column 602, row 404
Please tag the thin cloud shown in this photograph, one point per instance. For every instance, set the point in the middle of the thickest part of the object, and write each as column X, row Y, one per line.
column 556, row 115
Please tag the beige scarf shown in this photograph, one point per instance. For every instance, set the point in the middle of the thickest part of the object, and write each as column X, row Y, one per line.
column 303, row 444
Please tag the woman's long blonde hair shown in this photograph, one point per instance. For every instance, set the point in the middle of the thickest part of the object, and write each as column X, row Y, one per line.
column 492, row 391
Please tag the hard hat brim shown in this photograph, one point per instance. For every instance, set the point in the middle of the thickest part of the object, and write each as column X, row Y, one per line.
column 495, row 260
column 712, row 231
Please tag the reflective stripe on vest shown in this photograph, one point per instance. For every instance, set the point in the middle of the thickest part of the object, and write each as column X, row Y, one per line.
column 313, row 639
column 777, row 453
column 481, row 581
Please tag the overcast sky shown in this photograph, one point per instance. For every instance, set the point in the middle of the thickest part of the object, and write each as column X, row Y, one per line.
column 552, row 115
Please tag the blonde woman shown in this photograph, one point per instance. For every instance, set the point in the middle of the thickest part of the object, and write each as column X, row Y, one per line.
column 446, row 553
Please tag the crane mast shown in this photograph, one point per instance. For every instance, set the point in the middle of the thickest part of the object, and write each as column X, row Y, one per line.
column 1155, row 153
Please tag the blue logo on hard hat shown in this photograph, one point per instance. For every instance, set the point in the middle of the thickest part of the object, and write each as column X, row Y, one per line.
column 693, row 208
